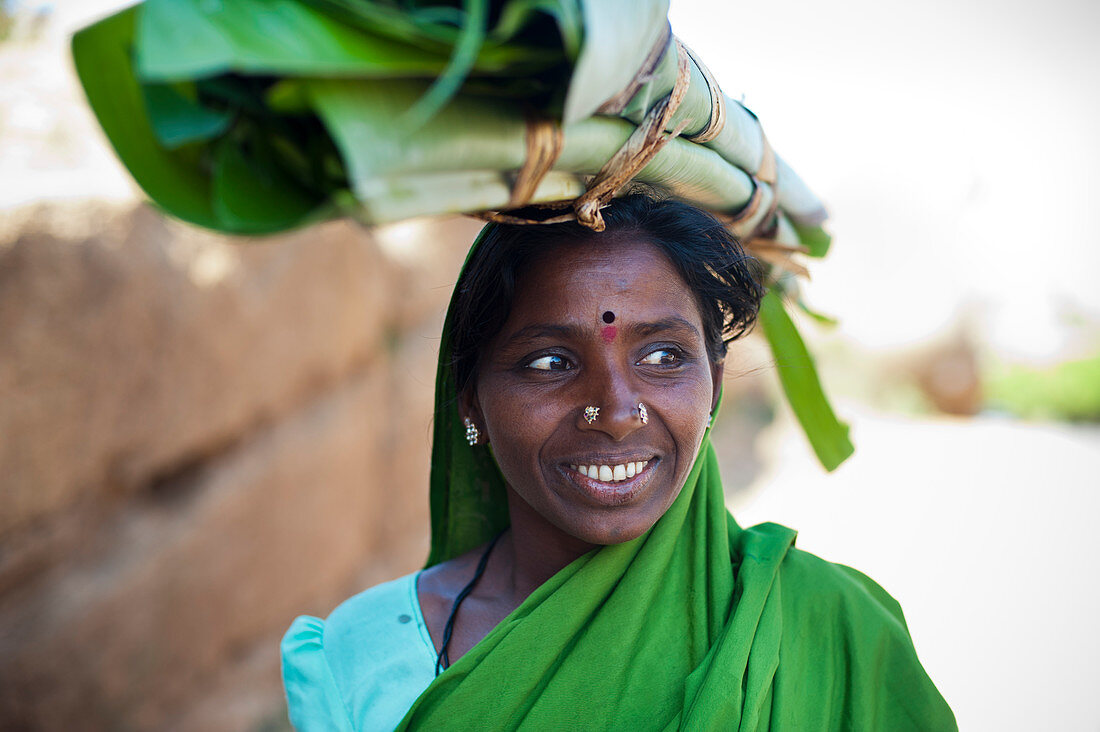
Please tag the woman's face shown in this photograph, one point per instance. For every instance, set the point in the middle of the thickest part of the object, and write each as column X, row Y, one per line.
column 607, row 323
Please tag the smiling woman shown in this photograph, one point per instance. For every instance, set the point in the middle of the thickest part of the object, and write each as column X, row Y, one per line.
column 554, row 357
column 585, row 573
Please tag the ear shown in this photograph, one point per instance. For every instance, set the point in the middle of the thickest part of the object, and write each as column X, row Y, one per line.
column 717, row 371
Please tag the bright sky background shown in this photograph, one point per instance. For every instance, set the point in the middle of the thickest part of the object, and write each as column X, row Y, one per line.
column 955, row 143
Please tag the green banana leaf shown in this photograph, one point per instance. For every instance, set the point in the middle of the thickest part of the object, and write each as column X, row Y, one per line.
column 258, row 116
column 172, row 178
column 443, row 88
column 613, row 51
column 197, row 44
column 283, row 37
column 177, row 117
column 828, row 436
column 816, row 240
column 470, row 136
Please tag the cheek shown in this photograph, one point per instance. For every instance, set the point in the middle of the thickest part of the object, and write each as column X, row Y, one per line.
column 687, row 407
column 517, row 426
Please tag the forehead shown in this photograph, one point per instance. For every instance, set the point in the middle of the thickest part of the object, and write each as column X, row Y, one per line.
column 579, row 281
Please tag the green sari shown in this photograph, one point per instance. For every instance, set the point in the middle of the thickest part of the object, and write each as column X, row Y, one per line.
column 698, row 624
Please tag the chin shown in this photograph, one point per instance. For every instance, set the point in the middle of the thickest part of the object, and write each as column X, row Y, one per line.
column 604, row 513
column 608, row 529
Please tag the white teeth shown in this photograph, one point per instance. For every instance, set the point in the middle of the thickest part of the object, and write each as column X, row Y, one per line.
column 611, row 473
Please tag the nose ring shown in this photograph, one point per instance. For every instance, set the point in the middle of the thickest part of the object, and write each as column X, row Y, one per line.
column 643, row 413
column 590, row 414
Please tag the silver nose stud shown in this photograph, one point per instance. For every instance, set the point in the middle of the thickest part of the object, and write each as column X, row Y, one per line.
column 590, row 414
column 643, row 413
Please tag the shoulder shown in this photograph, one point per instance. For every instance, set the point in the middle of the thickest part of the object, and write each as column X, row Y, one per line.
column 809, row 587
column 373, row 610
column 816, row 587
column 372, row 650
column 842, row 630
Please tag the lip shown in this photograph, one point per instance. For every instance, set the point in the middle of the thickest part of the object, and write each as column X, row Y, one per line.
column 609, row 458
column 611, row 494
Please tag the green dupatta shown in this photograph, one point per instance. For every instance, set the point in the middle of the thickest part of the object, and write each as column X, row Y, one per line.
column 698, row 624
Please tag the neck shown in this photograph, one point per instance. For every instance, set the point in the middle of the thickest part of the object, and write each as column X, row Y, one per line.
column 538, row 549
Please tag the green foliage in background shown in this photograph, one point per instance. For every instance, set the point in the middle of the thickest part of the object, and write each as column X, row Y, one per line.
column 1067, row 391
column 6, row 20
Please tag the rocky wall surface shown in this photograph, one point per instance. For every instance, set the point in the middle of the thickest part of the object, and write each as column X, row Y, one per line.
column 198, row 441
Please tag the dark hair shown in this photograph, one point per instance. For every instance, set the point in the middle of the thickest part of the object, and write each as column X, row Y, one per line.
column 711, row 261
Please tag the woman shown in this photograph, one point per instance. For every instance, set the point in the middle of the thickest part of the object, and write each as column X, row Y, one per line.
column 585, row 573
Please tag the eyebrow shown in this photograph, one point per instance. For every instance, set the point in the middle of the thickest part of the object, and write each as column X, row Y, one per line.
column 671, row 323
column 545, row 330
column 575, row 332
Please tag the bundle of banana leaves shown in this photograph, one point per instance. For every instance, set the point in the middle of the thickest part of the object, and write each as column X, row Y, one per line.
column 257, row 116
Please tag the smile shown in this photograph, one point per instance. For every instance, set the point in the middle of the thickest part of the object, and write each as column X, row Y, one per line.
column 611, row 473
column 611, row 483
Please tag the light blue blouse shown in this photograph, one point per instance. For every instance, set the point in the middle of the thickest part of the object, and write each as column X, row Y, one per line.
column 363, row 667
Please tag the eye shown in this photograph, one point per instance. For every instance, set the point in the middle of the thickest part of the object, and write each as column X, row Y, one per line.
column 661, row 357
column 552, row 362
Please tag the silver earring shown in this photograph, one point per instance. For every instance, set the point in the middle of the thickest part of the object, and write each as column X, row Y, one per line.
column 710, row 420
column 643, row 413
column 590, row 414
column 472, row 433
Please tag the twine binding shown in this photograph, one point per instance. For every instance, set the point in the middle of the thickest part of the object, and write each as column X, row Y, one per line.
column 544, row 141
column 717, row 120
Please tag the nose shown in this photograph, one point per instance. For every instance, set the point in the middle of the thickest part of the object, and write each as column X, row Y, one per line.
column 611, row 392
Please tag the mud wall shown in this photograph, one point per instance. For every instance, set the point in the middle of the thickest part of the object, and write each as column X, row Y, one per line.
column 200, row 439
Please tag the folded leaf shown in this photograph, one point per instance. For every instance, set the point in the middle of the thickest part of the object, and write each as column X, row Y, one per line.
column 255, row 116
column 173, row 179
column 828, row 436
column 445, row 86
column 178, row 118
column 612, row 51
column 190, row 39
column 815, row 239
column 253, row 195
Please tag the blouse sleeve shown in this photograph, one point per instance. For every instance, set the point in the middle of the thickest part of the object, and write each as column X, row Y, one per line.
column 314, row 702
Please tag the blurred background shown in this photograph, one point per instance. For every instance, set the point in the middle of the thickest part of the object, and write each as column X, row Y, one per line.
column 202, row 438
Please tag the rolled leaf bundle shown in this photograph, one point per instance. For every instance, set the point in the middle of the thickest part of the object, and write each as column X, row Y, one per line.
column 256, row 116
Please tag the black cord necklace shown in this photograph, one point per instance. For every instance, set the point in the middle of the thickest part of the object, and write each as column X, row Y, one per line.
column 442, row 661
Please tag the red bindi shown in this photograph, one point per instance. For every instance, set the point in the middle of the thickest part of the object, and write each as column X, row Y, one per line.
column 608, row 332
